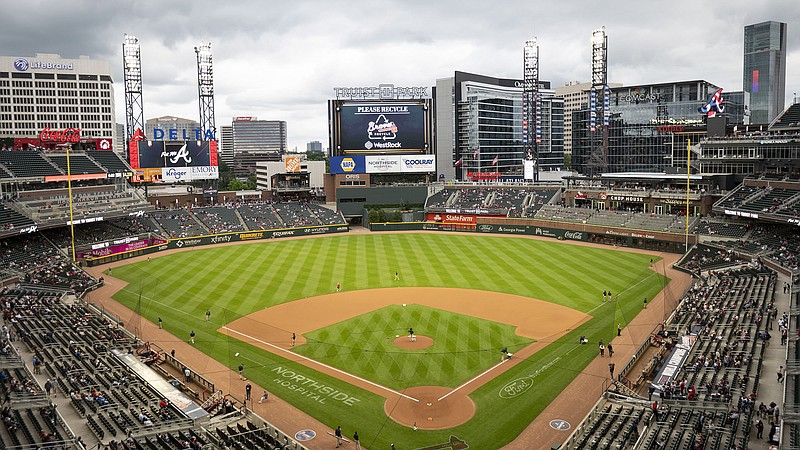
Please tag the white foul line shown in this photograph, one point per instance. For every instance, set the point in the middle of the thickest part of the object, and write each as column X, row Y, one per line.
column 321, row 364
column 470, row 381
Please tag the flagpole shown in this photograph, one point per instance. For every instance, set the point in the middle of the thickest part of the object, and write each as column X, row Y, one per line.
column 688, row 176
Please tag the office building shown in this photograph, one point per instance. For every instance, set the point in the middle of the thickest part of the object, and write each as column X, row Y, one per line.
column 479, row 127
column 765, row 70
column 576, row 98
column 172, row 126
column 314, row 147
column 50, row 92
column 256, row 140
column 650, row 127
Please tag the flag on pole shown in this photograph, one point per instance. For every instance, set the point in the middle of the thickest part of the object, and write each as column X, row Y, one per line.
column 459, row 162
column 496, row 160
column 475, row 154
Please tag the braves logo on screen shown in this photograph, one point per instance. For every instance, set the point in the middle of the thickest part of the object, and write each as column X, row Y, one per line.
column 714, row 105
column 382, row 129
column 182, row 153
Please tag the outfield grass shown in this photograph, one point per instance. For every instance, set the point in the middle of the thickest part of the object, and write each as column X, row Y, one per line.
column 464, row 346
column 237, row 280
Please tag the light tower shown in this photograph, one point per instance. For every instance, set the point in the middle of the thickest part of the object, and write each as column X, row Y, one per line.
column 531, row 101
column 598, row 143
column 205, row 87
column 132, row 69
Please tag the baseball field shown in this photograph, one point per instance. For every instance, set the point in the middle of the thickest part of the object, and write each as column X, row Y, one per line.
column 353, row 362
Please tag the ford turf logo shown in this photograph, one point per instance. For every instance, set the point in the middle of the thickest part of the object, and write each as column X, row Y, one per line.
column 21, row 64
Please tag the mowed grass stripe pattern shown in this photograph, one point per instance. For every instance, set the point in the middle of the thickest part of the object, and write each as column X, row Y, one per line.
column 246, row 278
column 364, row 346
column 234, row 281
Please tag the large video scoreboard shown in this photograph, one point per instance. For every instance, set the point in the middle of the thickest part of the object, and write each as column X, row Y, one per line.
column 380, row 127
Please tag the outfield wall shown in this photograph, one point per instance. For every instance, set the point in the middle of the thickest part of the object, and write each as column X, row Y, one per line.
column 198, row 241
column 623, row 237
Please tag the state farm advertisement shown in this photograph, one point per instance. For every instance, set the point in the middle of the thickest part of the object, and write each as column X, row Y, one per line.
column 450, row 218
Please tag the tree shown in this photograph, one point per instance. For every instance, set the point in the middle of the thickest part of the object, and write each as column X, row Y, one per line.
column 372, row 215
column 397, row 216
column 568, row 161
column 225, row 174
column 382, row 215
column 236, row 185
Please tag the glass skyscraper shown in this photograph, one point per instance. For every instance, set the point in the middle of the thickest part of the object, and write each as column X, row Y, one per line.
column 765, row 69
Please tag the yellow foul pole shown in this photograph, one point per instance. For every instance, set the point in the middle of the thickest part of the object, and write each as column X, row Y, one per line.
column 69, row 193
column 688, row 176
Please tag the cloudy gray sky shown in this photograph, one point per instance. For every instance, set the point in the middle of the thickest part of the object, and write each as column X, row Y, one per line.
column 281, row 59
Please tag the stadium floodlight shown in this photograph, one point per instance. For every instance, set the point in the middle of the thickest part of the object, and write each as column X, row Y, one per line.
column 132, row 71
column 531, row 109
column 205, row 86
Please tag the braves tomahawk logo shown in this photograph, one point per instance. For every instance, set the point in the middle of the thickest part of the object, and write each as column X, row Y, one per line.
column 713, row 105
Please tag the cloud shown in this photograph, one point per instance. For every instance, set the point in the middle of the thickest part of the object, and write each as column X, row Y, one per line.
column 280, row 60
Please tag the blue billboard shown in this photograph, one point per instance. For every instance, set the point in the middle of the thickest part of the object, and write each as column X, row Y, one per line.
column 348, row 164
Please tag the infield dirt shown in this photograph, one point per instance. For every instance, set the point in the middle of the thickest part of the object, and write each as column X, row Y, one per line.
column 571, row 405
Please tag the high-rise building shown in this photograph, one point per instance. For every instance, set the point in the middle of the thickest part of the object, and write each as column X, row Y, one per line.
column 182, row 127
column 226, row 134
column 576, row 98
column 650, row 126
column 256, row 140
column 765, row 69
column 48, row 91
column 479, row 127
column 314, row 147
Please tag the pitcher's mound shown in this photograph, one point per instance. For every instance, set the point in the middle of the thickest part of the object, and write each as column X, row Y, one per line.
column 419, row 342
column 429, row 413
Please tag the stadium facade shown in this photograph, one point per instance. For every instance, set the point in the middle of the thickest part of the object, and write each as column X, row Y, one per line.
column 479, row 127
column 651, row 125
column 764, row 74
column 50, row 94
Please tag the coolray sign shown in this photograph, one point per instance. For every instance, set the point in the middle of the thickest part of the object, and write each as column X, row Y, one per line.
column 174, row 134
column 23, row 64
column 174, row 174
column 310, row 388
column 381, row 92
column 423, row 163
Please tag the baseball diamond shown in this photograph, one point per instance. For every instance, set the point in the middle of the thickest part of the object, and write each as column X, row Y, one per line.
column 471, row 296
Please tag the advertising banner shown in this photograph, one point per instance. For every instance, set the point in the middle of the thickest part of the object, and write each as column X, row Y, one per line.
column 450, row 218
column 382, row 127
column 418, row 163
column 383, row 164
column 171, row 154
column 254, row 235
column 348, row 164
column 292, row 164
column 173, row 174
column 533, row 230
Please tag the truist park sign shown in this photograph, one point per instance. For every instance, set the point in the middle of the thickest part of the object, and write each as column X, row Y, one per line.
column 381, row 92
